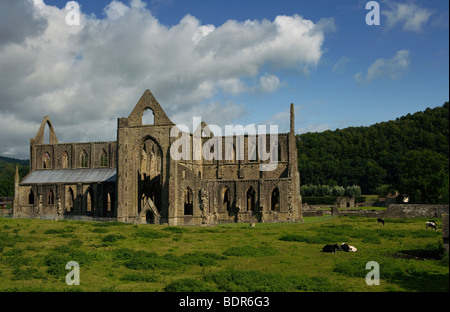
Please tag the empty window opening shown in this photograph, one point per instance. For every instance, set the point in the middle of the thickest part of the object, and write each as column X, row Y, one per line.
column 148, row 117
column 50, row 199
column 226, row 204
column 109, row 203
column 84, row 159
column 188, row 203
column 31, row 198
column 65, row 160
column 46, row 161
column 47, row 133
column 250, row 199
column 70, row 200
column 103, row 159
column 275, row 200
column 89, row 201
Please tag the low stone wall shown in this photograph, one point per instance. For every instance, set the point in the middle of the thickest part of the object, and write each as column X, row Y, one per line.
column 445, row 226
column 372, row 213
column 312, row 213
column 415, row 211
column 6, row 212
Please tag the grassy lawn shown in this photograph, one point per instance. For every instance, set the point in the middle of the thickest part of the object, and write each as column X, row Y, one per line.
column 230, row 257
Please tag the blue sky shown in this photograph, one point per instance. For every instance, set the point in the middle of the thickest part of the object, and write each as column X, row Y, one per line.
column 343, row 73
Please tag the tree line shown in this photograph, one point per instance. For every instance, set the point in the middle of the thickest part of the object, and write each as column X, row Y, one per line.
column 409, row 155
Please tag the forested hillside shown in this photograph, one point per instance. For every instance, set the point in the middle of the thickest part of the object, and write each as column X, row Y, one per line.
column 409, row 154
column 7, row 172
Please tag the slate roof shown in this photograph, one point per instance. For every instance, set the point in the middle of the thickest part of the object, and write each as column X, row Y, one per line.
column 71, row 176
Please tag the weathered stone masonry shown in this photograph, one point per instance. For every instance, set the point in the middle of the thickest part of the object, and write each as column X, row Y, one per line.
column 136, row 180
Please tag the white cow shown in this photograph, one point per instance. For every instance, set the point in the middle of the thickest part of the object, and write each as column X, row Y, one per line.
column 346, row 247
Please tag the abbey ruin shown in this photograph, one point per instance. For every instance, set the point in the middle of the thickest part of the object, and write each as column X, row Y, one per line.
column 135, row 179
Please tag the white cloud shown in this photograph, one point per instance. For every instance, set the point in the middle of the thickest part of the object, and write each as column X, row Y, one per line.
column 269, row 83
column 409, row 15
column 341, row 64
column 232, row 86
column 313, row 128
column 392, row 68
column 85, row 77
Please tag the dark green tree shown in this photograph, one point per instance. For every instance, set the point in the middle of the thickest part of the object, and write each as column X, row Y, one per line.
column 424, row 177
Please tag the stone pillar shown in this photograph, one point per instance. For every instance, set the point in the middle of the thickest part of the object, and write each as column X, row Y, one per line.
column 16, row 192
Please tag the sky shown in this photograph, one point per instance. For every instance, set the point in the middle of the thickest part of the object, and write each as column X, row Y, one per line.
column 229, row 62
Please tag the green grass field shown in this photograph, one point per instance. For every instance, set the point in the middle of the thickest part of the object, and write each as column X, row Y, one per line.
column 232, row 257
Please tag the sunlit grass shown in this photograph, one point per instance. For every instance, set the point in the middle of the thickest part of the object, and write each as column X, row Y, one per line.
column 229, row 257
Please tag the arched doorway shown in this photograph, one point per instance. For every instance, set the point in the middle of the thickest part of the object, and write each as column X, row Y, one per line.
column 149, row 217
column 149, row 169
column 90, row 206
column 70, row 200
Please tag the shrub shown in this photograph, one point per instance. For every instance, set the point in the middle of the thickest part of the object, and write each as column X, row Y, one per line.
column 316, row 283
column 56, row 264
column 254, row 281
column 108, row 224
column 351, row 268
column 175, row 229
column 54, row 231
column 188, row 285
column 142, row 260
column 371, row 239
column 133, row 277
column 112, row 238
column 149, row 233
column 99, row 230
column 201, row 258
column 25, row 274
column 250, row 251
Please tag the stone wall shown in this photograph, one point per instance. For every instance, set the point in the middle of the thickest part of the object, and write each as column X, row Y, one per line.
column 415, row 211
column 368, row 213
column 445, row 226
column 5, row 212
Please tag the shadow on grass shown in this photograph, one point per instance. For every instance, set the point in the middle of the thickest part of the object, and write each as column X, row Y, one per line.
column 430, row 283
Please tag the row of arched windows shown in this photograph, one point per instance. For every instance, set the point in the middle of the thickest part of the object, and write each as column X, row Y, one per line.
column 90, row 203
column 250, row 199
column 249, row 204
column 230, row 154
column 84, row 160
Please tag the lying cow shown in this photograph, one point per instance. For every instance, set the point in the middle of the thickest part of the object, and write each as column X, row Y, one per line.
column 380, row 220
column 431, row 224
column 346, row 247
column 330, row 248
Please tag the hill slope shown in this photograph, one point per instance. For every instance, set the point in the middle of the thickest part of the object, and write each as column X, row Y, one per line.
column 375, row 155
column 7, row 172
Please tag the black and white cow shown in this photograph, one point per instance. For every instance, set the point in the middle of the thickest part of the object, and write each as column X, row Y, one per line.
column 330, row 248
column 380, row 220
column 431, row 224
column 346, row 247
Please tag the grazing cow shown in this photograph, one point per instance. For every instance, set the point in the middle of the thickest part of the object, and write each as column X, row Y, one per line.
column 346, row 247
column 330, row 248
column 380, row 220
column 431, row 224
